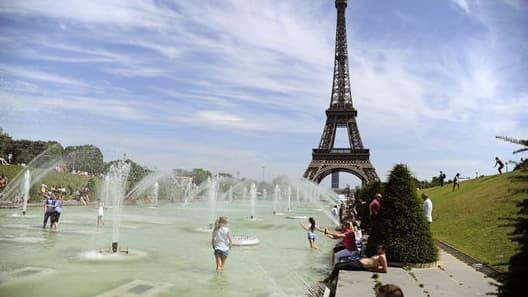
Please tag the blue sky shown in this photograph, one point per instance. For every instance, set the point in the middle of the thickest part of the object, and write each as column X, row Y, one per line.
column 234, row 85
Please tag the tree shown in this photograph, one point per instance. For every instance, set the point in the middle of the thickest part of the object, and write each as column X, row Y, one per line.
column 5, row 140
column 84, row 158
column 24, row 151
column 200, row 175
column 516, row 141
column 401, row 223
column 135, row 175
column 224, row 174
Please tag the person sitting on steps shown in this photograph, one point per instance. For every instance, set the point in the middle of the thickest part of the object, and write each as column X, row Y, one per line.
column 376, row 263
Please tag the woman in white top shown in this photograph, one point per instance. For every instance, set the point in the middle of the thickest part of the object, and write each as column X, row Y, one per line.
column 221, row 242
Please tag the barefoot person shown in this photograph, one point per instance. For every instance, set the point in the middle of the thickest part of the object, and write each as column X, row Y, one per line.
column 100, row 213
column 500, row 163
column 456, row 182
column 311, row 232
column 221, row 242
column 57, row 210
column 48, row 209
column 376, row 263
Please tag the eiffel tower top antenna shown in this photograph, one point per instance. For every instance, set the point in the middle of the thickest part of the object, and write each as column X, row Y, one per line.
column 341, row 96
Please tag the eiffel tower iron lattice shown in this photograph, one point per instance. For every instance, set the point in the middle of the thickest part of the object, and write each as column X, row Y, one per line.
column 341, row 114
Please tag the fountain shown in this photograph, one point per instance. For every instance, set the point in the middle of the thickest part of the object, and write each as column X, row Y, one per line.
column 253, row 199
column 289, row 193
column 104, row 195
column 27, row 185
column 117, row 178
column 276, row 197
column 155, row 194
column 40, row 166
column 230, row 194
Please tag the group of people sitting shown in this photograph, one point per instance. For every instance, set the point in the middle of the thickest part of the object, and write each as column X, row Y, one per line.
column 52, row 210
column 350, row 255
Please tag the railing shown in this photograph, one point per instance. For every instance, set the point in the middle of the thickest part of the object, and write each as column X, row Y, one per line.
column 340, row 153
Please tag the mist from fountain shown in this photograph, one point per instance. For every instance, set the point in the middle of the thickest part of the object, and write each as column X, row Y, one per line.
column 276, row 197
column 289, row 193
column 253, row 201
column 104, row 191
column 27, row 186
column 155, row 194
column 140, row 190
column 40, row 166
column 212, row 201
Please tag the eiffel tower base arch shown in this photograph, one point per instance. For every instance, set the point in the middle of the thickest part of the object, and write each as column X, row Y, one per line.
column 362, row 169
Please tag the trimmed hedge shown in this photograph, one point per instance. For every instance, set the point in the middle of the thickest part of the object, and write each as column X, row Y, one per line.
column 401, row 223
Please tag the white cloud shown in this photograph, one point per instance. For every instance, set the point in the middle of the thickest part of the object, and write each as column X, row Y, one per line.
column 33, row 74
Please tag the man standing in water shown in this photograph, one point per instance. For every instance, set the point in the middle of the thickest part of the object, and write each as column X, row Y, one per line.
column 49, row 206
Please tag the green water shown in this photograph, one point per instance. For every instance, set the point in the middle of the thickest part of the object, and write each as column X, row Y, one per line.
column 176, row 253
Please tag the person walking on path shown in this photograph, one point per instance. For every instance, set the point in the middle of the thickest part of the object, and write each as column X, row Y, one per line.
column 441, row 178
column 221, row 242
column 500, row 163
column 428, row 207
column 375, row 205
column 456, row 182
column 311, row 232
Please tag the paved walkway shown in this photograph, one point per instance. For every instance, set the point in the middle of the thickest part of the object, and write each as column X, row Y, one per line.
column 452, row 278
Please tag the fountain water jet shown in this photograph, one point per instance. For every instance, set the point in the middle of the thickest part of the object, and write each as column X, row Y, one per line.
column 117, row 177
column 155, row 194
column 253, row 197
column 27, row 185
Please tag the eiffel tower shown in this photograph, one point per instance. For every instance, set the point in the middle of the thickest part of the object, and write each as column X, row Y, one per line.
column 326, row 159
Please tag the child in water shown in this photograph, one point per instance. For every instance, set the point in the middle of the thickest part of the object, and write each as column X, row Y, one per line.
column 100, row 213
column 221, row 242
column 311, row 232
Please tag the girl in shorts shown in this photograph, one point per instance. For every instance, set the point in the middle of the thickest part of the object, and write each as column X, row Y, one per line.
column 221, row 242
column 311, row 232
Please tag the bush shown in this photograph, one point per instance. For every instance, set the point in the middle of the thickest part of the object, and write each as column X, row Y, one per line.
column 401, row 223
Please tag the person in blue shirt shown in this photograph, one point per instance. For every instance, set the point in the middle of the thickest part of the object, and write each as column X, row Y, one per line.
column 57, row 210
column 49, row 205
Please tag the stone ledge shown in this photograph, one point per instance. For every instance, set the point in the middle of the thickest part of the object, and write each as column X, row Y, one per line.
column 414, row 265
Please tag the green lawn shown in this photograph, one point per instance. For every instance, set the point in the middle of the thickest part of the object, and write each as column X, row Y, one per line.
column 52, row 179
column 474, row 219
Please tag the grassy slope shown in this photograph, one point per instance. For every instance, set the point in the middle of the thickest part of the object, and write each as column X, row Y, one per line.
column 52, row 179
column 474, row 218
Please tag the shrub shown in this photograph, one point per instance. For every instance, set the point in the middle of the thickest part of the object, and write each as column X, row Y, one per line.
column 401, row 223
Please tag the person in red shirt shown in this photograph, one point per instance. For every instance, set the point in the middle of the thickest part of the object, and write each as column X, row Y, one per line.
column 375, row 205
